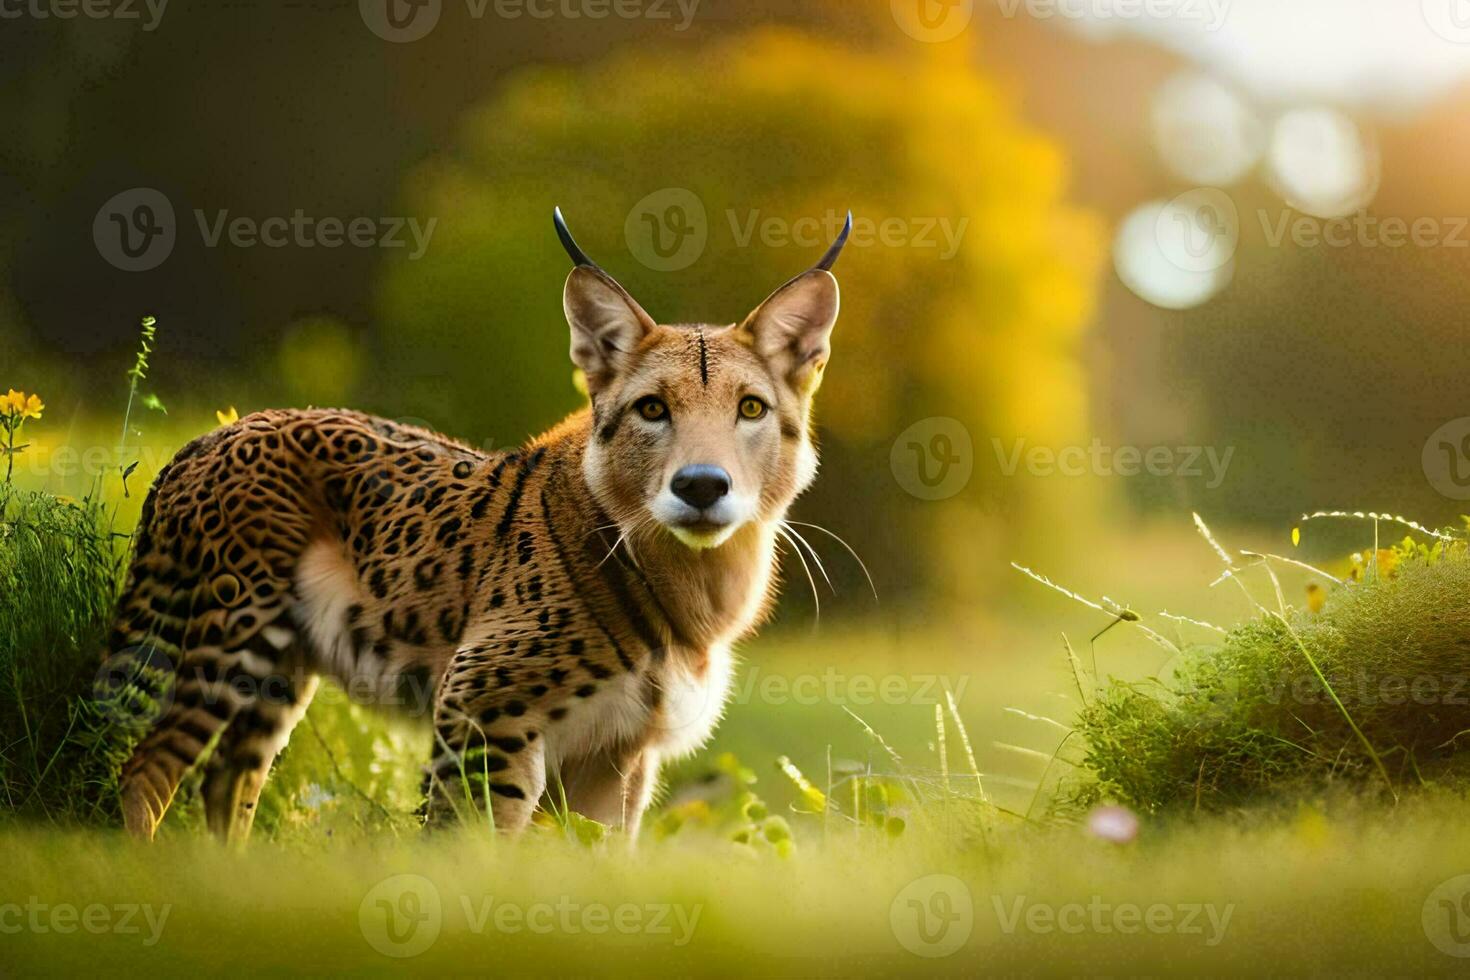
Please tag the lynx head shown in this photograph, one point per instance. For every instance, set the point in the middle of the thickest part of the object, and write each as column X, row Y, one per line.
column 699, row 429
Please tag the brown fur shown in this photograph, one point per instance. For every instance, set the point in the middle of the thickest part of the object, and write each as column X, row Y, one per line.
column 539, row 606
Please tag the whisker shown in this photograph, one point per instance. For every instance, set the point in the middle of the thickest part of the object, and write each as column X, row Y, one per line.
column 816, row 599
column 605, row 527
column 813, row 552
column 611, row 551
column 850, row 551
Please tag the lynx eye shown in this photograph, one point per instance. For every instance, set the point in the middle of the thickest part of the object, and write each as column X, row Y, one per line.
column 752, row 408
column 652, row 409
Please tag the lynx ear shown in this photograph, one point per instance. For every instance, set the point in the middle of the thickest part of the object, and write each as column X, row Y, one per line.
column 607, row 323
column 792, row 329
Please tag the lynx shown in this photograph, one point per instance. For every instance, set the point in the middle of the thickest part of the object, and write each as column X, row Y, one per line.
column 563, row 610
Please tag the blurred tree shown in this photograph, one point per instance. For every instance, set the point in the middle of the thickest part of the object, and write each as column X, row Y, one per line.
column 724, row 170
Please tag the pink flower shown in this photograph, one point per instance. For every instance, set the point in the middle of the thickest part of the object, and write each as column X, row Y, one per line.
column 1117, row 824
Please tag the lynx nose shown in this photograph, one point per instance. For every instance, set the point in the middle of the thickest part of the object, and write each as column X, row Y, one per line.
column 701, row 485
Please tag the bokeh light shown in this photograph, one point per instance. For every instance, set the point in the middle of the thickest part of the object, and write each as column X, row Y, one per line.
column 1179, row 253
column 320, row 359
column 1321, row 163
column 1204, row 132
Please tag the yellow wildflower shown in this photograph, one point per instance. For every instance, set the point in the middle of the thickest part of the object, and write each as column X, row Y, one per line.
column 17, row 403
column 227, row 417
column 1316, row 597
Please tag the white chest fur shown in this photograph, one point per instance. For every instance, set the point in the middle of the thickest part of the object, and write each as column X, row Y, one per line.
column 688, row 707
column 692, row 703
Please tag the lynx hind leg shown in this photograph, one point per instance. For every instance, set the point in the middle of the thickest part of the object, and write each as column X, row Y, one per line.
column 210, row 585
column 241, row 762
column 486, row 751
column 225, row 637
column 151, row 777
column 233, row 698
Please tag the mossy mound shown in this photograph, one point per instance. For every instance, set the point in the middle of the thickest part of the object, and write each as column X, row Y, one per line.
column 1374, row 688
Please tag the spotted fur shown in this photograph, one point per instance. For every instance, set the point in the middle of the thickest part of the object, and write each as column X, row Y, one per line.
column 540, row 609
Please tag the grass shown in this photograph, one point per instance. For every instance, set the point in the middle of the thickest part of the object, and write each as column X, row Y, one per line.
column 60, row 743
column 1308, row 889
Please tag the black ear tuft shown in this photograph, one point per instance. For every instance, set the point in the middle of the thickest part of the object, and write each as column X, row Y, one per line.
column 830, row 259
column 569, row 243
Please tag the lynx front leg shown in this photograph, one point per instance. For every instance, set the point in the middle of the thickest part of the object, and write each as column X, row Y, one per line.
column 486, row 752
column 613, row 787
